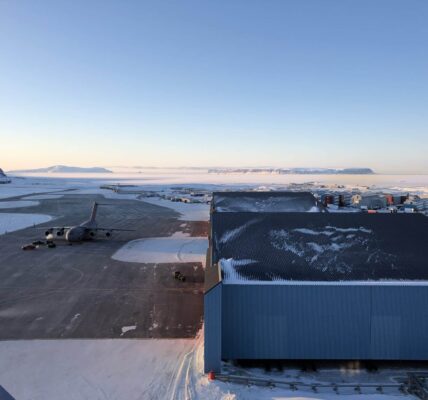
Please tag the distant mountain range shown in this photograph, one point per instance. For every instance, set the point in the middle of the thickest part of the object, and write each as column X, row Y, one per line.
column 64, row 169
column 292, row 171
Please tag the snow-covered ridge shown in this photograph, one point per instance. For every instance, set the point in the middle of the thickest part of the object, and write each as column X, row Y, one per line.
column 290, row 171
column 61, row 169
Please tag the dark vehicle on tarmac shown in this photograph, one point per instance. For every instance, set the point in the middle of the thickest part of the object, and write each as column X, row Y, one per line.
column 28, row 247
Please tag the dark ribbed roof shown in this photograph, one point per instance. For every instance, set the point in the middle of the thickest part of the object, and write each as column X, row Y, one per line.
column 265, row 202
column 321, row 246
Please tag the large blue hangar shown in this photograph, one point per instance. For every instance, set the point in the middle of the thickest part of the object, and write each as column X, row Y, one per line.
column 289, row 283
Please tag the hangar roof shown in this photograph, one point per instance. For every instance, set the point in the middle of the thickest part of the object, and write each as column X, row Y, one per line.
column 265, row 202
column 320, row 247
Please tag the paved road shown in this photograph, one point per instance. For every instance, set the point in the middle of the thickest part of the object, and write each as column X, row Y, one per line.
column 78, row 291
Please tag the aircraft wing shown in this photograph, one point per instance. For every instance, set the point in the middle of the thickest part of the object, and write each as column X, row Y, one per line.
column 115, row 229
column 53, row 227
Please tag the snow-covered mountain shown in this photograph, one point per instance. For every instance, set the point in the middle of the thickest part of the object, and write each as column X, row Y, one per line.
column 291, row 171
column 64, row 169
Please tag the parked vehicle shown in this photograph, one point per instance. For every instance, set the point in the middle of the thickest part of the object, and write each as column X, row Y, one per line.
column 179, row 276
column 28, row 247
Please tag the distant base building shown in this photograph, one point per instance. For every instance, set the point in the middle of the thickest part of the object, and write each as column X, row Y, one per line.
column 313, row 286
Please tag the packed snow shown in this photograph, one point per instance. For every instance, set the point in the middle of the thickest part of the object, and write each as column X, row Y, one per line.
column 234, row 233
column 91, row 369
column 18, row 204
column 127, row 329
column 152, row 369
column 14, row 190
column 10, row 222
column 188, row 211
column 64, row 169
column 322, row 253
column 230, row 274
column 173, row 249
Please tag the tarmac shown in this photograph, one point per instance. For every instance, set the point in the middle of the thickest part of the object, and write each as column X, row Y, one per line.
column 79, row 291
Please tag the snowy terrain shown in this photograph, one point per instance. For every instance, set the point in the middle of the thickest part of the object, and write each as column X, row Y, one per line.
column 43, row 197
column 10, row 222
column 189, row 212
column 64, row 169
column 14, row 190
column 17, row 204
column 151, row 369
column 91, row 369
column 292, row 171
column 176, row 248
column 181, row 176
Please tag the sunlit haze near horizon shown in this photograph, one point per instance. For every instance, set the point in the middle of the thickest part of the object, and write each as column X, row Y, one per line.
column 310, row 83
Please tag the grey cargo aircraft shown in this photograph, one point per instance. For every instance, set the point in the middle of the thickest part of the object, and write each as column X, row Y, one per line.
column 85, row 231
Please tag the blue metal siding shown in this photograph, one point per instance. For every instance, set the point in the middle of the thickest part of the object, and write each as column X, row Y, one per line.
column 212, row 329
column 295, row 322
column 324, row 322
column 400, row 322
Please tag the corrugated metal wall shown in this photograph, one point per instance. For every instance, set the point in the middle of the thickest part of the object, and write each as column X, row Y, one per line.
column 399, row 322
column 321, row 322
column 212, row 329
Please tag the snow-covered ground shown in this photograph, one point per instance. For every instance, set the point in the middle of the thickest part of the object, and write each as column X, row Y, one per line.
column 147, row 369
column 188, row 211
column 91, row 369
column 24, row 187
column 176, row 248
column 201, row 177
column 196, row 385
column 43, row 197
column 10, row 222
column 17, row 204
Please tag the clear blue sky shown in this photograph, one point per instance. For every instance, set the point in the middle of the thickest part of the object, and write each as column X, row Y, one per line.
column 220, row 83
